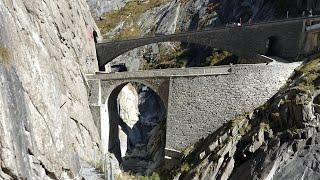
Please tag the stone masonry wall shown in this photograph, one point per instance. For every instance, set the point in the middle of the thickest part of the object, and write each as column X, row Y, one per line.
column 198, row 106
column 46, row 127
column 246, row 40
column 198, row 100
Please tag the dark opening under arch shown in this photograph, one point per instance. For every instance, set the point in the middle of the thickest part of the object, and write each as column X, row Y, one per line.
column 139, row 134
column 272, row 46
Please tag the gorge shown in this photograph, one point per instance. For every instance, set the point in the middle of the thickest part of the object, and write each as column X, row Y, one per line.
column 49, row 109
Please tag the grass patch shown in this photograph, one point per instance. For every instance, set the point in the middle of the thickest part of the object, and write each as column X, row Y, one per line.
column 212, row 8
column 219, row 58
column 188, row 150
column 5, row 55
column 185, row 167
column 245, row 129
column 167, row 60
column 127, row 176
column 129, row 32
column 130, row 13
column 309, row 74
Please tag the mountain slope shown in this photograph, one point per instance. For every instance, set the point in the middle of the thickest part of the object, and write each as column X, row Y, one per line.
column 46, row 127
column 279, row 140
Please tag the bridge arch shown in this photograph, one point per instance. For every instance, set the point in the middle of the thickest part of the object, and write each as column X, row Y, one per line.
column 246, row 40
column 112, row 121
column 226, row 41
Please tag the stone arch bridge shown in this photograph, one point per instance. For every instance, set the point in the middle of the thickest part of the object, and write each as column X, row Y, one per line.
column 198, row 100
column 284, row 38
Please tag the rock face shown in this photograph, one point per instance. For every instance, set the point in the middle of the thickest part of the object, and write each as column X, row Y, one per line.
column 279, row 140
column 261, row 10
column 166, row 17
column 129, row 113
column 46, row 127
column 98, row 7
column 142, row 130
column 218, row 156
column 159, row 17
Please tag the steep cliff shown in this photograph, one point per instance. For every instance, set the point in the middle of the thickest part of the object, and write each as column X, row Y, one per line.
column 98, row 7
column 146, row 18
column 279, row 140
column 261, row 10
column 46, row 128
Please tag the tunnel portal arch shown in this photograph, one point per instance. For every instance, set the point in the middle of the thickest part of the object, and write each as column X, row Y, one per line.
column 272, row 46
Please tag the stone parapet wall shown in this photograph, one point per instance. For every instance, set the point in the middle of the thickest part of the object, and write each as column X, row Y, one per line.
column 198, row 106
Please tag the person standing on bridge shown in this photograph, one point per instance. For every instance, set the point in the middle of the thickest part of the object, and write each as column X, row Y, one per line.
column 310, row 13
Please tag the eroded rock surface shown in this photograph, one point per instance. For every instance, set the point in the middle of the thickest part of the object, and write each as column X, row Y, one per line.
column 166, row 17
column 279, row 140
column 46, row 126
column 98, row 7
column 142, row 129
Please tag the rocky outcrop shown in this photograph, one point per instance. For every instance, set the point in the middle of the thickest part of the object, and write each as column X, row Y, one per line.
column 262, row 10
column 98, row 7
column 165, row 17
column 129, row 114
column 158, row 17
column 279, row 140
column 142, row 132
column 250, row 147
column 46, row 127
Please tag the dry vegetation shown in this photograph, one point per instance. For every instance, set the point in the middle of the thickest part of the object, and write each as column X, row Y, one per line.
column 217, row 58
column 128, row 176
column 130, row 13
column 307, row 76
column 129, row 32
column 172, row 59
column 5, row 55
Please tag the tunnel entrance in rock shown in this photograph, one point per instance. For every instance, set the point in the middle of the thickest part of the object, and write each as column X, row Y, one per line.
column 137, row 119
column 272, row 46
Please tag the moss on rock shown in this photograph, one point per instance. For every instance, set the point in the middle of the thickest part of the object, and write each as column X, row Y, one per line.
column 5, row 55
